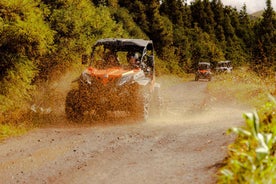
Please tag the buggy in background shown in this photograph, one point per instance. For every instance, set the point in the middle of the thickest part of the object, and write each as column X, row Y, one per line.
column 203, row 71
column 224, row 67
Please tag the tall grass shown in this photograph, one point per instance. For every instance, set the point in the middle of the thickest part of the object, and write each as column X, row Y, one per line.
column 244, row 86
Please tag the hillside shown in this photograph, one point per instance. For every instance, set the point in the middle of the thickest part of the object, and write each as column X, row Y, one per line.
column 257, row 14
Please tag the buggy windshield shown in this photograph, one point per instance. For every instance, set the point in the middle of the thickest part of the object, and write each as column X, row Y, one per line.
column 203, row 66
column 121, row 52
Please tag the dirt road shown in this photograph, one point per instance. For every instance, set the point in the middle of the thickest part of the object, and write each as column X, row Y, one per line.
column 184, row 145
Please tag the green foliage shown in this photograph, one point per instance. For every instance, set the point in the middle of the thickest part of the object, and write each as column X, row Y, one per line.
column 24, row 32
column 161, row 67
column 24, row 37
column 10, row 130
column 78, row 25
column 203, row 15
column 264, row 48
column 122, row 15
column 204, row 48
column 16, row 88
column 175, row 10
column 252, row 156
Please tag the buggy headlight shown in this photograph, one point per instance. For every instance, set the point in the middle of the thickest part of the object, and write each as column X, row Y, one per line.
column 125, row 79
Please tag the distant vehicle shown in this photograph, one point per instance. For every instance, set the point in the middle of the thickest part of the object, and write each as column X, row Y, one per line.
column 120, row 77
column 203, row 71
column 224, row 67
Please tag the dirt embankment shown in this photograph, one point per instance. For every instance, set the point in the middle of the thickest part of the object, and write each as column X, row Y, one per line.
column 184, row 145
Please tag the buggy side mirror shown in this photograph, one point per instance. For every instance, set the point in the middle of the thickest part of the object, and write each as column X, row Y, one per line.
column 84, row 59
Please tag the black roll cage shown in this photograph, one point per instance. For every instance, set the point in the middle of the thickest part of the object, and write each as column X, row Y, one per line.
column 120, row 44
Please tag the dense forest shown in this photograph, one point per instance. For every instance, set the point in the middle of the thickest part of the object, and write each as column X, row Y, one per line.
column 41, row 38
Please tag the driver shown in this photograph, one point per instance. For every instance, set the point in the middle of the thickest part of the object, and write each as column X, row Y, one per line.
column 111, row 59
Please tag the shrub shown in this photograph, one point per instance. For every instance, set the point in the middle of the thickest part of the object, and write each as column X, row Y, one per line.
column 24, row 38
column 15, row 89
column 252, row 157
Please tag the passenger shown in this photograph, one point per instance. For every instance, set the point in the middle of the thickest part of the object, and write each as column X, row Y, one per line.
column 133, row 60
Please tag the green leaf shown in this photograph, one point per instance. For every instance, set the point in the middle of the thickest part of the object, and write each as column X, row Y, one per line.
column 240, row 131
column 252, row 121
column 227, row 173
column 262, row 151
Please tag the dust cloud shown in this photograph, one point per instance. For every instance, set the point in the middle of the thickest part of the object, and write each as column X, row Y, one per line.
column 182, row 102
column 47, row 106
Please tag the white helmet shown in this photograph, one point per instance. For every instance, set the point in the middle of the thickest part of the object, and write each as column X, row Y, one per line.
column 137, row 55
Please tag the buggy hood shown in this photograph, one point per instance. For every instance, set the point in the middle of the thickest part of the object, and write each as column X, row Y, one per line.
column 115, row 74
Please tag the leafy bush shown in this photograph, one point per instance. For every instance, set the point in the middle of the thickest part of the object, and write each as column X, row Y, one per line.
column 77, row 24
column 252, row 157
column 15, row 89
column 24, row 38
column 24, row 30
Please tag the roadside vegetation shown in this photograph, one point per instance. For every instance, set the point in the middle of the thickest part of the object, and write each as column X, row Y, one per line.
column 40, row 41
column 251, row 158
column 243, row 85
column 10, row 130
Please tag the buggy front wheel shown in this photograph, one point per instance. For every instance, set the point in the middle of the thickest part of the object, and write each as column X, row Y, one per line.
column 73, row 108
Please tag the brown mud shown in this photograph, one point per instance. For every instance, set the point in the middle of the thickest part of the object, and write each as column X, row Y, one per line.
column 185, row 144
